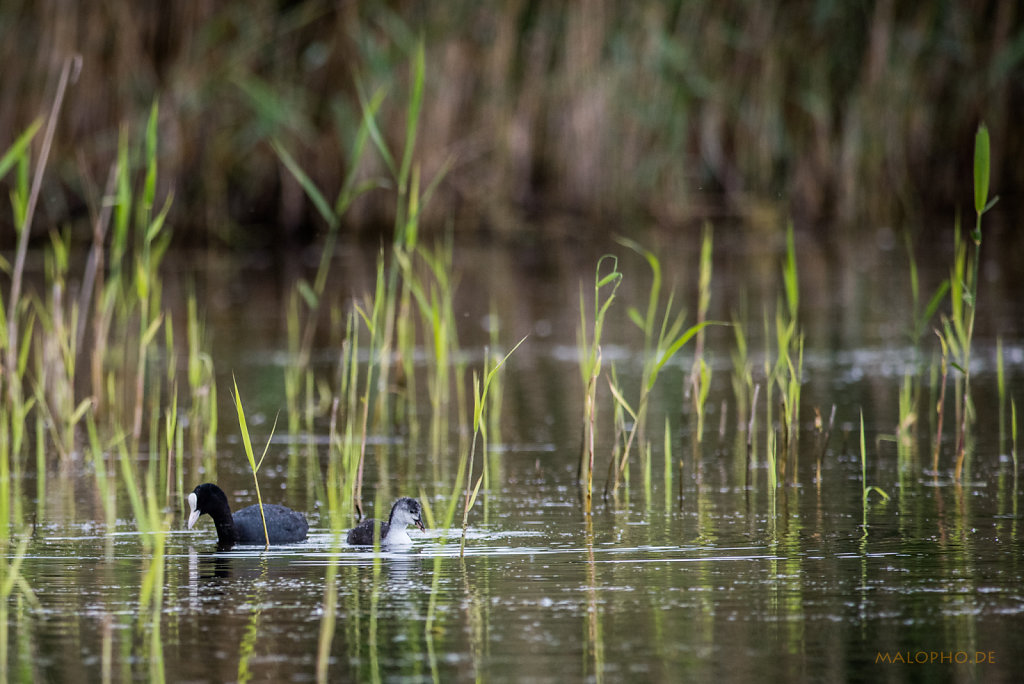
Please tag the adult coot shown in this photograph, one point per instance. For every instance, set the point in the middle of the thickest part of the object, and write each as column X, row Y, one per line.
column 284, row 526
column 405, row 512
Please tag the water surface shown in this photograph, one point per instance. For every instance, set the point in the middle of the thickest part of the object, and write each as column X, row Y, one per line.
column 710, row 575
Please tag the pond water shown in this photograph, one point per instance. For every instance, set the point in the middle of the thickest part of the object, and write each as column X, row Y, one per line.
column 701, row 572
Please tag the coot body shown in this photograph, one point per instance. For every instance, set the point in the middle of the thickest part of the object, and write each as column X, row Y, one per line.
column 284, row 526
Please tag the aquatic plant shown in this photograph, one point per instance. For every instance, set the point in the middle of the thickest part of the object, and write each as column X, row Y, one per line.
column 479, row 430
column 780, row 370
column 342, row 461
column 658, row 350
column 253, row 463
column 14, row 347
column 1013, row 432
column 742, row 373
column 669, row 465
column 787, row 372
column 371, row 313
column 306, row 300
column 1001, row 391
column 97, row 456
column 920, row 321
column 527, row 103
column 700, row 376
column 434, row 294
column 24, row 200
column 153, row 245
column 588, row 339
column 202, row 381
column 920, row 318
column 944, row 343
column 958, row 327
column 865, row 488
column 824, row 433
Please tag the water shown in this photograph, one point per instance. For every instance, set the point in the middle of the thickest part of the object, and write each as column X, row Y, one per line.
column 713, row 575
column 716, row 589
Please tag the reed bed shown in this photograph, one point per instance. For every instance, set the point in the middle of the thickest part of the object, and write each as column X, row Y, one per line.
column 48, row 336
column 617, row 108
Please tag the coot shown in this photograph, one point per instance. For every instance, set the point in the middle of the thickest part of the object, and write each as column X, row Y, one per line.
column 284, row 526
column 406, row 511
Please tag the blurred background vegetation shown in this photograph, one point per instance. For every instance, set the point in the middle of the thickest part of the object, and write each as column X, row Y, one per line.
column 556, row 117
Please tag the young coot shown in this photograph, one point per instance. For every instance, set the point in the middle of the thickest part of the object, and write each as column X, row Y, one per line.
column 284, row 526
column 405, row 512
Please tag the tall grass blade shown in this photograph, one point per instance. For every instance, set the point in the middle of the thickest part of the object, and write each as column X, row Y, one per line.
column 247, row 443
column 19, row 148
column 981, row 169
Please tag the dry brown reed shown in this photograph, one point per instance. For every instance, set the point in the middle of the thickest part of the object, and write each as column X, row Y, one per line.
column 674, row 109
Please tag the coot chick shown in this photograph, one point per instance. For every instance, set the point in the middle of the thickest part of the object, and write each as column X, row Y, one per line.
column 405, row 512
column 284, row 526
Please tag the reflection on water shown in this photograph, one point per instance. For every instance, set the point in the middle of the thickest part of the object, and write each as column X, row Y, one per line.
column 711, row 577
column 567, row 599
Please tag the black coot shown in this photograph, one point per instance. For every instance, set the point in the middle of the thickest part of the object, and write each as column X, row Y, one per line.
column 284, row 525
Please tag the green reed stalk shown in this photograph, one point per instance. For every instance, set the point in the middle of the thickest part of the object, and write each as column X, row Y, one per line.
column 702, row 382
column 772, row 446
column 496, row 403
column 173, row 477
column 904, row 437
column 659, row 348
column 667, row 474
column 253, row 464
column 921, row 318
column 306, row 301
column 202, row 384
column 106, row 489
column 293, row 369
column 351, row 189
column 825, row 434
column 40, row 468
column 109, row 286
column 700, row 374
column 435, row 302
column 1013, row 432
column 622, row 409
column 920, row 321
column 790, row 343
column 372, row 315
column 154, row 242
column 605, row 287
column 350, row 369
column 964, row 312
column 479, row 430
column 742, row 373
column 1001, row 388
column 865, row 488
column 409, row 204
column 6, row 453
column 942, row 396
